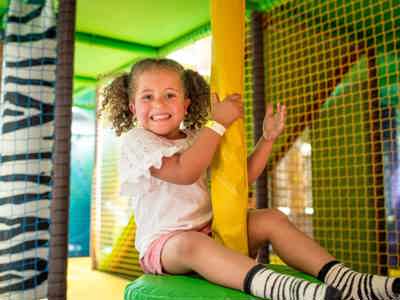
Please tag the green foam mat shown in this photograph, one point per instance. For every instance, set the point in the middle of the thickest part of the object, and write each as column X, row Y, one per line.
column 183, row 287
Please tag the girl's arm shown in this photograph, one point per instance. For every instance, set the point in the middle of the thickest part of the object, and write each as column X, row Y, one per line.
column 257, row 160
column 187, row 167
column 273, row 125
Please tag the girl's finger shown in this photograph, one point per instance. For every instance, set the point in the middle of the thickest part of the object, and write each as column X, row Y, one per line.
column 235, row 96
column 236, row 99
column 214, row 98
column 270, row 109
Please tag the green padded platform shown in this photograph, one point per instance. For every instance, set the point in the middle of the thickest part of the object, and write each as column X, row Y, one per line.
column 174, row 287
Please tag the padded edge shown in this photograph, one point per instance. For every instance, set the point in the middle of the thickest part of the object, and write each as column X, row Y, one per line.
column 183, row 287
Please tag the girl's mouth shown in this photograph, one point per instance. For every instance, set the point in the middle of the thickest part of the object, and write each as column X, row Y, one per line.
column 160, row 117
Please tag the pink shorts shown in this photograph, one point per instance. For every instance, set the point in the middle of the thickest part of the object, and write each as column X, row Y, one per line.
column 151, row 261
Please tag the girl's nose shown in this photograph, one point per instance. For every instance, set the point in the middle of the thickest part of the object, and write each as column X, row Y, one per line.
column 158, row 101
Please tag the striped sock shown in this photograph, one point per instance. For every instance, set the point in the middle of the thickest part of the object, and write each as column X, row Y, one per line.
column 359, row 286
column 269, row 284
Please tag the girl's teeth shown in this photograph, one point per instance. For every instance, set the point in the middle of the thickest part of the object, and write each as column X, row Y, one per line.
column 160, row 117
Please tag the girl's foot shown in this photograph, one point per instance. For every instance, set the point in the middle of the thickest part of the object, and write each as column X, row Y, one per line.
column 265, row 283
column 359, row 286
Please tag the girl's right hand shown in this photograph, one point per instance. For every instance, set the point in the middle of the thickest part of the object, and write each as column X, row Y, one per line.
column 228, row 110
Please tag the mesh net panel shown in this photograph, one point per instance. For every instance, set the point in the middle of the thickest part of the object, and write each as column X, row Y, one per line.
column 248, row 99
column 113, row 227
column 335, row 65
column 26, row 148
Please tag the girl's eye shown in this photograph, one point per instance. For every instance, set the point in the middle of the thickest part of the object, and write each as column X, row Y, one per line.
column 146, row 97
column 171, row 96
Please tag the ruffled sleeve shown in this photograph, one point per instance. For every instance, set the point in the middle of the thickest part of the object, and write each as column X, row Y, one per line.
column 140, row 151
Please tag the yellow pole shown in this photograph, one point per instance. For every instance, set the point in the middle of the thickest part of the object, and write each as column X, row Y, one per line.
column 229, row 189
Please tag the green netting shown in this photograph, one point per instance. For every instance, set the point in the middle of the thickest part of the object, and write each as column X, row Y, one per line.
column 335, row 64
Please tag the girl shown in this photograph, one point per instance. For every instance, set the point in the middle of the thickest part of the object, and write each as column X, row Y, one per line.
column 166, row 151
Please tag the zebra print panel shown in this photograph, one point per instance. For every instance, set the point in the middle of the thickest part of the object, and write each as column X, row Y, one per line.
column 26, row 144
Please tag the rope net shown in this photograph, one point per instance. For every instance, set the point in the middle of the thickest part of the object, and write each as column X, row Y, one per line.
column 334, row 171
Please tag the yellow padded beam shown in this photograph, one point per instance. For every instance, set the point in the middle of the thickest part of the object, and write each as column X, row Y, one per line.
column 229, row 188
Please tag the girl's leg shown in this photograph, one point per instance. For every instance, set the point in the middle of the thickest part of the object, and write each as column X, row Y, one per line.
column 194, row 251
column 302, row 253
column 292, row 246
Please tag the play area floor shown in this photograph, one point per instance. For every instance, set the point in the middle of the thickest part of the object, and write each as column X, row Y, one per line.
column 84, row 283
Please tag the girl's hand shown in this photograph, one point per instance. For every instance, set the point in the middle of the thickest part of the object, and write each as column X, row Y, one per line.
column 227, row 111
column 274, row 124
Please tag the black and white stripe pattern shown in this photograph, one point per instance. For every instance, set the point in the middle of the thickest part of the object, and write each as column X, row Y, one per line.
column 359, row 286
column 269, row 284
column 26, row 142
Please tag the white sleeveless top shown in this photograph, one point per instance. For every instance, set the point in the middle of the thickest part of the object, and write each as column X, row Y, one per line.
column 160, row 207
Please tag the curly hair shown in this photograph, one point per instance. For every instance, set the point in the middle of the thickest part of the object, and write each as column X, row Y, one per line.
column 118, row 94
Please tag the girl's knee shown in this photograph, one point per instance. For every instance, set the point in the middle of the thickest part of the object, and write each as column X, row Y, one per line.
column 268, row 220
column 273, row 216
column 278, row 216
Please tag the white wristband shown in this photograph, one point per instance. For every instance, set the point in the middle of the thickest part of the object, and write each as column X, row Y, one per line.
column 215, row 126
column 268, row 137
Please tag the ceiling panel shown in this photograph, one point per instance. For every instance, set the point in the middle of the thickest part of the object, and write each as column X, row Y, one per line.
column 152, row 22
column 93, row 60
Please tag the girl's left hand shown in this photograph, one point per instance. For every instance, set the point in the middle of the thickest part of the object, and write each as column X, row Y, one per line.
column 274, row 124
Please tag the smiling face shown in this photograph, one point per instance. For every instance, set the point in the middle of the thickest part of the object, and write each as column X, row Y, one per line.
column 159, row 102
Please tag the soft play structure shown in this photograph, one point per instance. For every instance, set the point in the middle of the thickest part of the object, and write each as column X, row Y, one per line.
column 335, row 64
column 33, row 167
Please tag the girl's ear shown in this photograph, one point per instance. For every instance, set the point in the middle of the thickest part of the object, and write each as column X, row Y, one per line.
column 186, row 104
column 132, row 108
